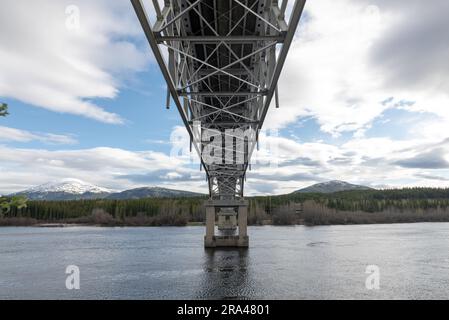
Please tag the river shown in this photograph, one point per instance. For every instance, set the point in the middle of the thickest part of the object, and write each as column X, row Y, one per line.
column 410, row 261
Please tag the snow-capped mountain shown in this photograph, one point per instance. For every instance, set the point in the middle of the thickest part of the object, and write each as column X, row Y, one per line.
column 332, row 186
column 70, row 185
column 65, row 189
column 75, row 189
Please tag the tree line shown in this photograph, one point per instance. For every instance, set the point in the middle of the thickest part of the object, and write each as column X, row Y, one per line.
column 367, row 206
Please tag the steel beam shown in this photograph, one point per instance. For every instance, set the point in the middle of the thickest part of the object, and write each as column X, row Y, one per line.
column 224, row 66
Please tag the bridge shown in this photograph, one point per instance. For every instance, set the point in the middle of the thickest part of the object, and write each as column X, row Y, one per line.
column 224, row 59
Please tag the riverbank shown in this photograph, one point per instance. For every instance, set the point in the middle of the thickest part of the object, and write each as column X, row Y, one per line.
column 340, row 208
column 308, row 218
column 28, row 222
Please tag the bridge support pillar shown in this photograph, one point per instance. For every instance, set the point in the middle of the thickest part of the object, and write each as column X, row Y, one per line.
column 210, row 227
column 227, row 220
column 241, row 240
column 243, row 222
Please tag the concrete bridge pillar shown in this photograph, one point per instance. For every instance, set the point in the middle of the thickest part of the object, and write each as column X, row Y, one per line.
column 243, row 222
column 229, row 240
column 209, row 238
column 227, row 220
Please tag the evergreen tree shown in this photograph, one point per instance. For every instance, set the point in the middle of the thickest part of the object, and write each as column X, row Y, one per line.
column 7, row 203
column 3, row 110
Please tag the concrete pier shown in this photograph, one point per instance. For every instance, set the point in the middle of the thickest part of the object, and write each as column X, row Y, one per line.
column 227, row 220
column 226, row 208
column 209, row 238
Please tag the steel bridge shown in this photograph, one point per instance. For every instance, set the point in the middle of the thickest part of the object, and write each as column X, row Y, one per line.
column 224, row 59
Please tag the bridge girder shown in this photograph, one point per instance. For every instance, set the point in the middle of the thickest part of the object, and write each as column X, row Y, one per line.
column 224, row 61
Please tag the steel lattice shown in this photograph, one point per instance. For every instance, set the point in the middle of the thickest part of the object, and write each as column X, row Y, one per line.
column 224, row 62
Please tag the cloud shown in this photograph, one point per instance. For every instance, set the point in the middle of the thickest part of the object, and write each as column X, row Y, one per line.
column 352, row 60
column 280, row 176
column 429, row 160
column 112, row 168
column 367, row 161
column 156, row 141
column 326, row 75
column 265, row 188
column 17, row 135
column 431, row 177
column 413, row 53
column 46, row 64
column 283, row 165
column 179, row 175
column 306, row 161
column 374, row 161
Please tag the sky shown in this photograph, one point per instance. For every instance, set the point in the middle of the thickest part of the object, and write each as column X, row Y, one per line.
column 364, row 98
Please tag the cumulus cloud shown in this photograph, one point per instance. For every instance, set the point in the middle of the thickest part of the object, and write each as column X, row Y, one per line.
column 413, row 54
column 352, row 60
column 8, row 134
column 431, row 177
column 46, row 64
column 366, row 161
column 113, row 168
column 175, row 175
column 326, row 75
column 436, row 159
column 369, row 161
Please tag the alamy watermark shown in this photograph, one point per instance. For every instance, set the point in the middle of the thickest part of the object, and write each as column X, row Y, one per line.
column 73, row 279
column 229, row 146
column 372, row 282
column 72, row 21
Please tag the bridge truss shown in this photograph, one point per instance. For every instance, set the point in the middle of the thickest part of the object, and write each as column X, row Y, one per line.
column 224, row 61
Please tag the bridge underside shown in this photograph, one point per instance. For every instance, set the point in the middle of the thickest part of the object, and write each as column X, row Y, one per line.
column 224, row 61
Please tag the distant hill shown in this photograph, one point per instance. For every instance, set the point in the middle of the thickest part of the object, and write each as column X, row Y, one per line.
column 332, row 186
column 152, row 192
column 75, row 189
column 65, row 189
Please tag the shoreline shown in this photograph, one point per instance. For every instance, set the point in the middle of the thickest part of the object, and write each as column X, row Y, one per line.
column 196, row 224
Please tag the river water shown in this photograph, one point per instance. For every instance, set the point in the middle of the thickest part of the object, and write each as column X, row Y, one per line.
column 411, row 261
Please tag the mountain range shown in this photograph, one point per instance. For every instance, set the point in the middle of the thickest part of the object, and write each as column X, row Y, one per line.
column 75, row 189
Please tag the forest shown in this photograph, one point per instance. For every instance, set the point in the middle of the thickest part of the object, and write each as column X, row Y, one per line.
column 348, row 207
